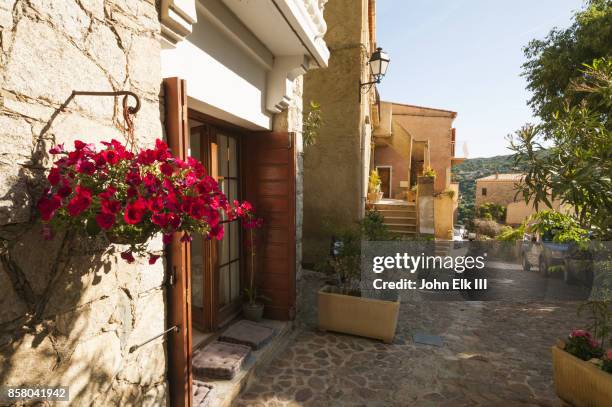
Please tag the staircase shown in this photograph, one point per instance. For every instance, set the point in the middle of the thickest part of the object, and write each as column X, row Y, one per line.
column 400, row 217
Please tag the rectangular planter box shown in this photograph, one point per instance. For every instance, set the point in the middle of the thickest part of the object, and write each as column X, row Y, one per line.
column 580, row 383
column 360, row 316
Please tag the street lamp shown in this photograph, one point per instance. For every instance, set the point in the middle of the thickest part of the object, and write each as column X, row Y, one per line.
column 379, row 62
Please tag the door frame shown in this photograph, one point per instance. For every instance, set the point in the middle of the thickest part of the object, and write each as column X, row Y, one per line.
column 179, row 341
column 390, row 167
column 214, row 318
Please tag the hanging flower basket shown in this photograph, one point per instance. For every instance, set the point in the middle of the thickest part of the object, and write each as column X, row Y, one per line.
column 130, row 197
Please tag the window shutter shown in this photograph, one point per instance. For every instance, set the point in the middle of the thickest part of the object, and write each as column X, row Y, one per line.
column 270, row 186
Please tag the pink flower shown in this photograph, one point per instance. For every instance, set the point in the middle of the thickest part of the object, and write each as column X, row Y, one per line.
column 580, row 333
column 167, row 238
column 58, row 149
column 609, row 354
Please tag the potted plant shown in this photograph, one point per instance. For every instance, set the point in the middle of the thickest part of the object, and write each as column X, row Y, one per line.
column 252, row 309
column 374, row 183
column 131, row 196
column 582, row 369
column 342, row 308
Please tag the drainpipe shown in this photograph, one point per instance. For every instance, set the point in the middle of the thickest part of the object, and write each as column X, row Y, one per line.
column 365, row 164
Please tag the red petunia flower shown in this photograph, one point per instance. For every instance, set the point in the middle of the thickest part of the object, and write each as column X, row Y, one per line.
column 135, row 211
column 128, row 256
column 47, row 206
column 133, row 177
column 105, row 220
column 85, row 167
column 166, row 169
column 80, row 202
column 64, row 191
column 110, row 206
column 160, row 219
column 54, row 176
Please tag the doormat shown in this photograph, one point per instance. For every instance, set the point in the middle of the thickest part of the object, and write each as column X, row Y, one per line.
column 426, row 339
column 248, row 333
column 219, row 360
column 202, row 393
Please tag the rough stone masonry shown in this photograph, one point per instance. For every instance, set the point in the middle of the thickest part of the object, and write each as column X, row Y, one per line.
column 69, row 309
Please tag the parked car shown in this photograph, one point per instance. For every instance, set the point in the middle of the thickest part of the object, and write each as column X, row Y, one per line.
column 458, row 234
column 542, row 252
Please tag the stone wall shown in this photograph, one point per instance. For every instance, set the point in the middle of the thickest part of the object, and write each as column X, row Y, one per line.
column 333, row 166
column 70, row 309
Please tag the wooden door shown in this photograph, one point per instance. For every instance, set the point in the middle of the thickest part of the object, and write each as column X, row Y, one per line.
column 385, row 181
column 270, row 186
column 216, row 266
column 178, row 291
column 204, row 252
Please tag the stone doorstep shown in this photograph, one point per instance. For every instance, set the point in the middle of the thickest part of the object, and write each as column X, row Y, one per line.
column 226, row 391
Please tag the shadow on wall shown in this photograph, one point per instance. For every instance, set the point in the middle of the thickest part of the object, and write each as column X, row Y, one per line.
column 70, row 309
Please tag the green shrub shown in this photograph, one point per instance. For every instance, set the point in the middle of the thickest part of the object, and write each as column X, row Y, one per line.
column 491, row 211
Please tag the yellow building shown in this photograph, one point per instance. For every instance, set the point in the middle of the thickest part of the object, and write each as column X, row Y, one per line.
column 501, row 189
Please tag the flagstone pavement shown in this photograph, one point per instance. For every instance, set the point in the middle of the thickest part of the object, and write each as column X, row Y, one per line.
column 494, row 354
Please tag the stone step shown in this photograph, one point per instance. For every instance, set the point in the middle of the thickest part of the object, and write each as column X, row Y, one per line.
column 226, row 391
column 403, row 220
column 403, row 232
column 398, row 213
column 401, row 227
column 384, row 207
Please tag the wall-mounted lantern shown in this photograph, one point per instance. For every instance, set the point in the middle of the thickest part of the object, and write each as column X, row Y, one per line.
column 379, row 62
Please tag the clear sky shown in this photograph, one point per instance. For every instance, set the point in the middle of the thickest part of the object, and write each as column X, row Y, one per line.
column 466, row 56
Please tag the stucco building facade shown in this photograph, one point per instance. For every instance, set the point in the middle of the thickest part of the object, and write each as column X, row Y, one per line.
column 336, row 167
column 502, row 189
column 409, row 140
column 72, row 313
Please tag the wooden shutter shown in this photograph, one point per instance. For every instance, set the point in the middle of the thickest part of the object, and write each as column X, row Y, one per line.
column 270, row 186
column 179, row 289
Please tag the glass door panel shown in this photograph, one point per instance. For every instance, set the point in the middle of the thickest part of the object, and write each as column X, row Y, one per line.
column 229, row 256
column 197, row 246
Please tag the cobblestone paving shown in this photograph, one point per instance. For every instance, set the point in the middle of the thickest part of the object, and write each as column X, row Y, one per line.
column 494, row 354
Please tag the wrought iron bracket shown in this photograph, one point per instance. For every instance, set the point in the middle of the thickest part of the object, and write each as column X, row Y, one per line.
column 124, row 93
column 174, row 328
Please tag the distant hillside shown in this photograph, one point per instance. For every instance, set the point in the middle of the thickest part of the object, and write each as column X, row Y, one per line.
column 470, row 170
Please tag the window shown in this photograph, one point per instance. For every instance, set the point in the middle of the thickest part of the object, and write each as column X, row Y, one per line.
column 484, row 192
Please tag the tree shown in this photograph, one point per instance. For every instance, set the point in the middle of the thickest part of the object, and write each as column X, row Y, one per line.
column 556, row 61
column 570, row 155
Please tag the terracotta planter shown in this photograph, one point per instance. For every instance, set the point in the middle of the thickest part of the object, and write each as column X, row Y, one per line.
column 580, row 383
column 367, row 317
column 373, row 197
